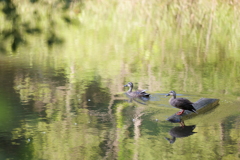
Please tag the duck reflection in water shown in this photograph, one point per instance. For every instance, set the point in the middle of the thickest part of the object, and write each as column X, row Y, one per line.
column 176, row 120
column 180, row 132
column 140, row 100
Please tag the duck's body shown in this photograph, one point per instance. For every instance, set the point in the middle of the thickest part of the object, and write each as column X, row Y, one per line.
column 181, row 103
column 138, row 93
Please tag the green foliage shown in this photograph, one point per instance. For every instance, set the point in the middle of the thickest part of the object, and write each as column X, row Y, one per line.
column 20, row 22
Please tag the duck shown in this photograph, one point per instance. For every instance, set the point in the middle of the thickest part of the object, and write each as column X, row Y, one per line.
column 138, row 93
column 181, row 103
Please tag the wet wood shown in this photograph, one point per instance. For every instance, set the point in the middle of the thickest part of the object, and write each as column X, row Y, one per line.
column 202, row 105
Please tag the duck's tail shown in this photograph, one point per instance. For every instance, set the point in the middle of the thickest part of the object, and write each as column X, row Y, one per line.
column 144, row 93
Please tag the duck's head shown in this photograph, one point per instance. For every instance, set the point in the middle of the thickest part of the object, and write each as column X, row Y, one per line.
column 171, row 93
column 130, row 84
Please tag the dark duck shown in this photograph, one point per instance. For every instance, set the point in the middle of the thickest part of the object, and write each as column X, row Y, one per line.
column 181, row 103
column 138, row 93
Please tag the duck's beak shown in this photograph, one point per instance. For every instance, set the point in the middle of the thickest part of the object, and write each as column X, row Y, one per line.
column 167, row 95
column 125, row 85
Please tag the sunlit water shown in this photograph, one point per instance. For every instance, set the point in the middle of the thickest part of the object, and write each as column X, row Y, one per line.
column 48, row 114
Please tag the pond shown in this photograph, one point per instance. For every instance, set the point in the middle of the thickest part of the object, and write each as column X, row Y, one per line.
column 48, row 114
column 69, row 101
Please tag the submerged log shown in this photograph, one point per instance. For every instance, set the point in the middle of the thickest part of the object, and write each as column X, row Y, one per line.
column 202, row 105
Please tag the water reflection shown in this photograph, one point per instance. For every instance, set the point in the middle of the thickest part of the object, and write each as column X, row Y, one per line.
column 176, row 120
column 180, row 132
column 139, row 100
column 94, row 122
column 76, row 112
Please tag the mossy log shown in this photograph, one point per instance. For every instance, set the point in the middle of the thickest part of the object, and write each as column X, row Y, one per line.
column 202, row 105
